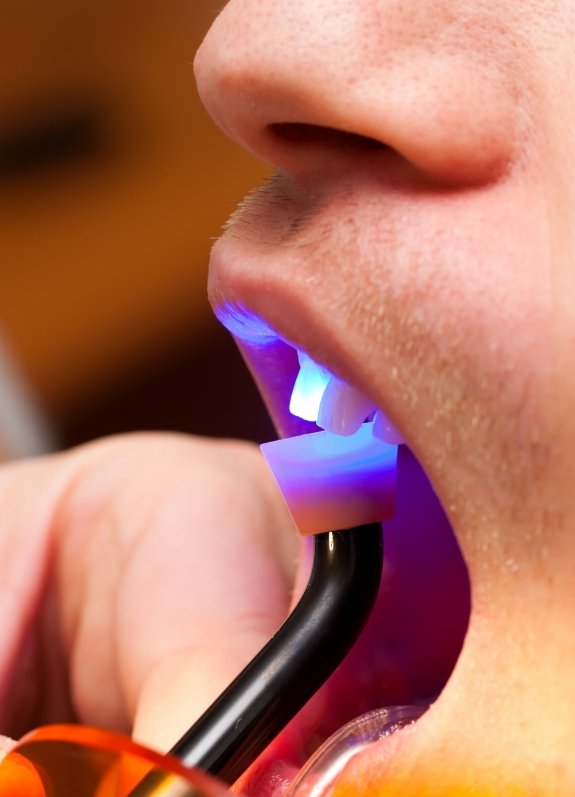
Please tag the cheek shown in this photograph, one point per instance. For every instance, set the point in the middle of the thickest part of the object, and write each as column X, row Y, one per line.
column 453, row 314
column 479, row 318
column 472, row 288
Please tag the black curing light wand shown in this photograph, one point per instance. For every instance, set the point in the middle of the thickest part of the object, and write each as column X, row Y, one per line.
column 327, row 481
column 299, row 658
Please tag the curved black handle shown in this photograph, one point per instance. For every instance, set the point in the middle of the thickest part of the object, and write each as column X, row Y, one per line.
column 299, row 658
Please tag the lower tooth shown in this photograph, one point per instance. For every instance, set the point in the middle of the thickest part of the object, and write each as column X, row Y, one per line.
column 343, row 408
column 385, row 430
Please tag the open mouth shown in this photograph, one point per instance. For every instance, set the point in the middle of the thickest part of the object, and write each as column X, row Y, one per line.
column 412, row 641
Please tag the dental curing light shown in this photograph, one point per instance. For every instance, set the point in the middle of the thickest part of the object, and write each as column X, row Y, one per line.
column 305, row 651
column 329, row 481
column 301, row 656
column 323, row 478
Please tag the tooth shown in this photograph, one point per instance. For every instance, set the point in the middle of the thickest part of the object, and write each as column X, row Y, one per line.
column 308, row 389
column 305, row 359
column 343, row 408
column 384, row 430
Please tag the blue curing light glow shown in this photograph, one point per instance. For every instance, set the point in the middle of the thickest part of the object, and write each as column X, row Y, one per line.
column 308, row 389
column 245, row 325
column 332, row 481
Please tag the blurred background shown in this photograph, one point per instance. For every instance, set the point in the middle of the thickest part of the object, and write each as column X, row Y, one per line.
column 113, row 184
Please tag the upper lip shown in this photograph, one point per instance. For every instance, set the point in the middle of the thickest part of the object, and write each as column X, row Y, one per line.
column 256, row 290
column 274, row 366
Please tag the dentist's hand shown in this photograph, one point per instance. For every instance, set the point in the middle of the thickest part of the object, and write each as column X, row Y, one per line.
column 138, row 575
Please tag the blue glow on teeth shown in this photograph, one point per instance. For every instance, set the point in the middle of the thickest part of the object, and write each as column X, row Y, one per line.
column 308, row 389
column 339, row 478
column 245, row 325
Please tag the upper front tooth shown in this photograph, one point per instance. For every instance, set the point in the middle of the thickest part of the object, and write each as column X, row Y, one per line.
column 385, row 430
column 308, row 389
column 324, row 399
column 343, row 408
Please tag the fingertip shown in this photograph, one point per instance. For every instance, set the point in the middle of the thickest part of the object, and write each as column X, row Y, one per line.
column 182, row 686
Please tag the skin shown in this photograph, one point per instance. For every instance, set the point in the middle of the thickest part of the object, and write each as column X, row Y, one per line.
column 417, row 239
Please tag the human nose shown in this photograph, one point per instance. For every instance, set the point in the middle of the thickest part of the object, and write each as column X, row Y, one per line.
column 305, row 83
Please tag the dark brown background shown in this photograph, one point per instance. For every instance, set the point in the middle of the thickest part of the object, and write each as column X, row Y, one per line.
column 112, row 184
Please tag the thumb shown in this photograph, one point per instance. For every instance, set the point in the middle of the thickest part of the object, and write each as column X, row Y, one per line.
column 182, row 686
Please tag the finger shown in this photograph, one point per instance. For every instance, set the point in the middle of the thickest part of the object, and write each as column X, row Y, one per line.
column 29, row 494
column 182, row 686
column 177, row 566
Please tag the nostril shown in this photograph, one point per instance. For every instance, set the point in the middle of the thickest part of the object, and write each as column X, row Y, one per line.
column 432, row 156
column 328, row 137
column 303, row 148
